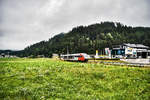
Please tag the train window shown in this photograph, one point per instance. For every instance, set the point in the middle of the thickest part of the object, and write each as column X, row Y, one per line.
column 70, row 57
column 148, row 53
column 78, row 56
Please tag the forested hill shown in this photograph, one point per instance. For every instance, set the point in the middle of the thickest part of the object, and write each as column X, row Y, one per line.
column 89, row 38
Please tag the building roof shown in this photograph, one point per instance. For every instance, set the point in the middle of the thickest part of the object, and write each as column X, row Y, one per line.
column 136, row 45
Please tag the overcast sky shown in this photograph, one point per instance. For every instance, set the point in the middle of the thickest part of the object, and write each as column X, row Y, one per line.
column 24, row 22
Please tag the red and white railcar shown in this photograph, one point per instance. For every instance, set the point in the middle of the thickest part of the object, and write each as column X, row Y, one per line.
column 75, row 57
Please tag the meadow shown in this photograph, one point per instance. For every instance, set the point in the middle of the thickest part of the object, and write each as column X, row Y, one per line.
column 49, row 79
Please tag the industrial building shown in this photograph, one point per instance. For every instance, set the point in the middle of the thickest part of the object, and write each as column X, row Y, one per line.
column 128, row 50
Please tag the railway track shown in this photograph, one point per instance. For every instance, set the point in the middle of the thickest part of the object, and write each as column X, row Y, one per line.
column 122, row 63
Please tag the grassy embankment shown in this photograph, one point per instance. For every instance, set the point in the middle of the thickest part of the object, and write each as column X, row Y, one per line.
column 31, row 79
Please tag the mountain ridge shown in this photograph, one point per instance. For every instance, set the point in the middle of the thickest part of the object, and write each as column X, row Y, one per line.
column 89, row 38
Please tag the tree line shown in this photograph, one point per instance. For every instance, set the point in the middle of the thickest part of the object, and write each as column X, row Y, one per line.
column 87, row 39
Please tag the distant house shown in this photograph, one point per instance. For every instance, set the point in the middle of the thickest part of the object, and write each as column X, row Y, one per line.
column 55, row 56
column 128, row 50
column 40, row 56
column 2, row 55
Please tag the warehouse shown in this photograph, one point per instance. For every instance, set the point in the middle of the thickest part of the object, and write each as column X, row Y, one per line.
column 128, row 50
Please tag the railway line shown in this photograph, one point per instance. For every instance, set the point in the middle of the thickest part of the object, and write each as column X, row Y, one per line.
column 121, row 63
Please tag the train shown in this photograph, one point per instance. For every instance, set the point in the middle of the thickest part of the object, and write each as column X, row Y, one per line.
column 81, row 57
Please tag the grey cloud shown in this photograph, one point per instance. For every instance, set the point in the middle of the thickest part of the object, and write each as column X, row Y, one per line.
column 24, row 22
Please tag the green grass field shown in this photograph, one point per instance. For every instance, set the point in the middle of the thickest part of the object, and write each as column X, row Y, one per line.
column 48, row 79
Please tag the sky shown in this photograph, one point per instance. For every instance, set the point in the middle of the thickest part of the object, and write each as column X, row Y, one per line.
column 25, row 22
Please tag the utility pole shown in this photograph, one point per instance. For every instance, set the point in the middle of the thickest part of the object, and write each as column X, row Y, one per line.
column 8, row 54
column 67, row 52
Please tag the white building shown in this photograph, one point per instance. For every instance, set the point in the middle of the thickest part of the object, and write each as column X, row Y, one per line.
column 128, row 50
